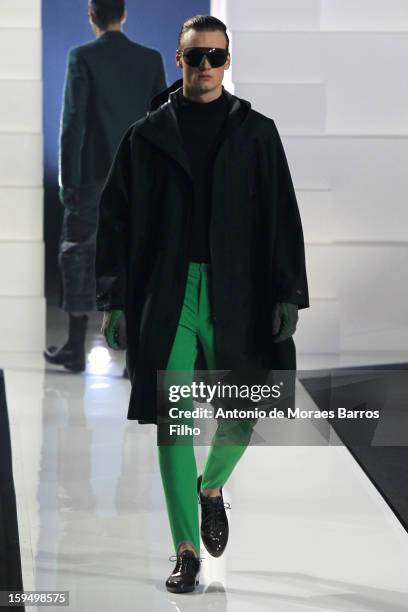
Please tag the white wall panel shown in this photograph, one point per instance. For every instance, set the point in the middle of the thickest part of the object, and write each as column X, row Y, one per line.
column 277, row 57
column 20, row 106
column 367, row 88
column 20, row 53
column 299, row 108
column 308, row 160
column 364, row 15
column 22, row 324
column 22, row 306
column 318, row 327
column 21, row 269
column 372, row 214
column 219, row 9
column 373, row 291
column 21, row 213
column 347, row 153
column 317, row 214
column 21, row 160
column 273, row 14
column 320, row 262
column 368, row 177
column 20, row 13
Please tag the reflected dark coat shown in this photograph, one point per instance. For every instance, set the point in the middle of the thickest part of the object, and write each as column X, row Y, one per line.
column 256, row 243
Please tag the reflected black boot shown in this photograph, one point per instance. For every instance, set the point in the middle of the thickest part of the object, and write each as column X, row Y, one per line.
column 72, row 354
column 214, row 522
column 184, row 577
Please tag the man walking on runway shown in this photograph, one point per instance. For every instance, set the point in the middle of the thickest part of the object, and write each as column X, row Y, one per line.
column 109, row 84
column 199, row 246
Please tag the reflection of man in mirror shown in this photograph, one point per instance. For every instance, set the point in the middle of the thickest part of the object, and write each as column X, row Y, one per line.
column 199, row 246
column 108, row 86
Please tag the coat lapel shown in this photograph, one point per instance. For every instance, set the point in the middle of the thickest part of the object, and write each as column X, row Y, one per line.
column 161, row 128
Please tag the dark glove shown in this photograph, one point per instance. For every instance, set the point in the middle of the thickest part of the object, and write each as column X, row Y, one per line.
column 68, row 196
column 284, row 320
column 114, row 329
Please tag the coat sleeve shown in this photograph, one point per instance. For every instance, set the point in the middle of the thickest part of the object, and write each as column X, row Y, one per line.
column 112, row 231
column 73, row 120
column 287, row 248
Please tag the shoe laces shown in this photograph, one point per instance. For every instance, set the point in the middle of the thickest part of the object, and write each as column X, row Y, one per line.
column 219, row 504
column 183, row 560
column 215, row 509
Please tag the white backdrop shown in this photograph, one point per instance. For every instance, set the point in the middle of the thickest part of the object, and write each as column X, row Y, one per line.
column 332, row 74
column 22, row 303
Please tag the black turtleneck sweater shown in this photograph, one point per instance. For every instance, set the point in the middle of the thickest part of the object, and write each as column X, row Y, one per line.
column 200, row 125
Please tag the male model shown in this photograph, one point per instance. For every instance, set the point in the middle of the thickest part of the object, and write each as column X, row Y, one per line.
column 109, row 84
column 199, row 245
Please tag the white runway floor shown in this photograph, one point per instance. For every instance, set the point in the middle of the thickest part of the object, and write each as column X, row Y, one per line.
column 308, row 530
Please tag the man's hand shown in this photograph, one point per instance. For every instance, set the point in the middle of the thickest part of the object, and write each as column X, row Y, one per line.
column 114, row 329
column 284, row 320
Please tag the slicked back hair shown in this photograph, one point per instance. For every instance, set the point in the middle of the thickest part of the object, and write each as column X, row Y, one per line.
column 203, row 23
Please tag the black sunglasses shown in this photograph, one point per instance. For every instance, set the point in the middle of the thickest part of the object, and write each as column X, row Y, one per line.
column 193, row 56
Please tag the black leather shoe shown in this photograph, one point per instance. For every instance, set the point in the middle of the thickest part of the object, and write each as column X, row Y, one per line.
column 184, row 577
column 72, row 354
column 71, row 359
column 57, row 356
column 214, row 522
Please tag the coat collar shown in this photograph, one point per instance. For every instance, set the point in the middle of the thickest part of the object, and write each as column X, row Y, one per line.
column 113, row 34
column 161, row 128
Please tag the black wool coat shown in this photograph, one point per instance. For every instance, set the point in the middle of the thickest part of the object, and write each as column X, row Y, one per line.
column 256, row 243
column 109, row 83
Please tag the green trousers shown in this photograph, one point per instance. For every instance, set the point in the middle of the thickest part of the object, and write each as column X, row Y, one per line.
column 177, row 463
